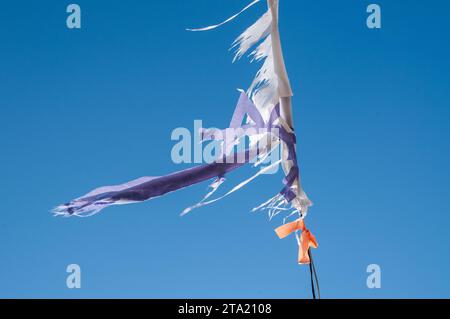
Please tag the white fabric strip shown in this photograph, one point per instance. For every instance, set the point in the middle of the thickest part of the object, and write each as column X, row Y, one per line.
column 227, row 20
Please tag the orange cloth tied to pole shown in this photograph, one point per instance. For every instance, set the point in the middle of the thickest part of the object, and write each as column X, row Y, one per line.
column 307, row 239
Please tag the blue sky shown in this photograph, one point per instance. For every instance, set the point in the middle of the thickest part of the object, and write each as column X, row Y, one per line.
column 96, row 106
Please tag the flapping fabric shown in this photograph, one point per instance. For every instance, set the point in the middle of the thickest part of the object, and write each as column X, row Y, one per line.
column 146, row 188
column 264, row 115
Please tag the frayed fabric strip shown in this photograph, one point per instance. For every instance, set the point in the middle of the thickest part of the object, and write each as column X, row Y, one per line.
column 146, row 188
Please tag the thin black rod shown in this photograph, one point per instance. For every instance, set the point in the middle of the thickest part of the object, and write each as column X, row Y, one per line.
column 313, row 273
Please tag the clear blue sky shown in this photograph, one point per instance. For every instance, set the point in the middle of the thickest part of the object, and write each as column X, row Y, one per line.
column 96, row 106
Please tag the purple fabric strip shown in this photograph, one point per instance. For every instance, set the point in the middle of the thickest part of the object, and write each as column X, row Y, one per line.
column 175, row 181
column 149, row 187
column 153, row 188
column 246, row 106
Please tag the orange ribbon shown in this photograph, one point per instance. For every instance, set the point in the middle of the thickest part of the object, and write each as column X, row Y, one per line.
column 307, row 239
